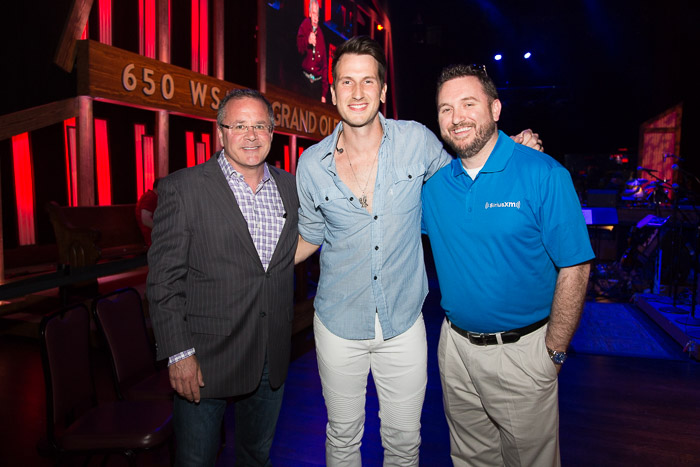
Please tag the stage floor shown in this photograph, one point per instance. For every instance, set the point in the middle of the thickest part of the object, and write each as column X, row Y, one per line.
column 679, row 321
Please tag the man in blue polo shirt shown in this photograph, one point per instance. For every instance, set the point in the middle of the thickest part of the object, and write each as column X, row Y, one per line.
column 511, row 250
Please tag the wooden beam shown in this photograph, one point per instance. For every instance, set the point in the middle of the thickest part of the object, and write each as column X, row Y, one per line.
column 37, row 117
column 262, row 44
column 116, row 75
column 162, row 166
column 217, row 17
column 86, row 153
column 163, row 28
column 72, row 30
column 162, row 143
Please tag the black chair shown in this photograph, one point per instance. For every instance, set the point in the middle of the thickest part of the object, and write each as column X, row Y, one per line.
column 76, row 423
column 119, row 317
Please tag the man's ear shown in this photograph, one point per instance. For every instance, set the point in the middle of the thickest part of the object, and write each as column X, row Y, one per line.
column 496, row 109
column 221, row 135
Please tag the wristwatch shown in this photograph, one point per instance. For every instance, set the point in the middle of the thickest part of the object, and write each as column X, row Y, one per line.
column 557, row 357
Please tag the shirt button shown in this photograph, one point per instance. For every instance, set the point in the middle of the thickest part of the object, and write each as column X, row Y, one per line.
column 351, row 198
column 376, row 247
column 375, row 278
column 376, row 217
column 326, row 198
column 470, row 209
column 410, row 177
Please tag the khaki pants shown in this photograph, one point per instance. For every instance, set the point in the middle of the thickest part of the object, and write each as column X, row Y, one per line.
column 500, row 401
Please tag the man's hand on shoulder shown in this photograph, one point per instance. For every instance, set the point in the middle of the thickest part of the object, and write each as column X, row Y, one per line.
column 530, row 139
column 186, row 378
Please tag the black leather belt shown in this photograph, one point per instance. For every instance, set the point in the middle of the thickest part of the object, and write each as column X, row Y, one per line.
column 507, row 337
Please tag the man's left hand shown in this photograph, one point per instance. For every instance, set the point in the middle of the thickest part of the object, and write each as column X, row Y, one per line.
column 530, row 139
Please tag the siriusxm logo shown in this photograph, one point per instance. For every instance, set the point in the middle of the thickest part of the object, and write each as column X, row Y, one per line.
column 506, row 204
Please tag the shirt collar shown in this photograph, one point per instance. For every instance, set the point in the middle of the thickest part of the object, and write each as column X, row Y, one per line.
column 497, row 161
column 231, row 173
column 332, row 142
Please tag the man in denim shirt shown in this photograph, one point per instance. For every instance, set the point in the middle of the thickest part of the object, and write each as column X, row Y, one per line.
column 359, row 192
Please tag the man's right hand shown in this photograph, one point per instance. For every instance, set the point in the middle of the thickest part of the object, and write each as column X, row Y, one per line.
column 186, row 378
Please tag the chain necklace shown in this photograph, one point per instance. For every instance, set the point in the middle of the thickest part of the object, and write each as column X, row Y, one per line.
column 362, row 199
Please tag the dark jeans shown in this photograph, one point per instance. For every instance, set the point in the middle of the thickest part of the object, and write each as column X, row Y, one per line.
column 198, row 427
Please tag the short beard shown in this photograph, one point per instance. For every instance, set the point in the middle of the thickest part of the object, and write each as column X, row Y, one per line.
column 483, row 135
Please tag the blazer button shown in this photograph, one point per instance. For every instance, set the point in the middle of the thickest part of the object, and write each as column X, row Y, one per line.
column 262, row 314
column 267, row 274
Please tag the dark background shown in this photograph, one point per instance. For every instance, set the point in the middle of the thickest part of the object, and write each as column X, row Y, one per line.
column 599, row 68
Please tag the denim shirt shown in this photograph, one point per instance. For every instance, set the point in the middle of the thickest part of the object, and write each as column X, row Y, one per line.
column 369, row 262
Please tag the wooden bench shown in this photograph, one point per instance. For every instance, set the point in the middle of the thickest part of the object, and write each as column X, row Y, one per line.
column 88, row 234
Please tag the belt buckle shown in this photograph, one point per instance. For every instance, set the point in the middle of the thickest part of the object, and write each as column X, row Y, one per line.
column 479, row 338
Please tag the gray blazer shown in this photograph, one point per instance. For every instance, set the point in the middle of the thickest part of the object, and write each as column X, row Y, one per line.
column 207, row 288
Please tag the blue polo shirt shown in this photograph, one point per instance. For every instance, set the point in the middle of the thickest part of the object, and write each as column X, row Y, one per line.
column 499, row 240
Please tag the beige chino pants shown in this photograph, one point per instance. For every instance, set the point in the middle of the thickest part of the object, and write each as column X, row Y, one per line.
column 500, row 401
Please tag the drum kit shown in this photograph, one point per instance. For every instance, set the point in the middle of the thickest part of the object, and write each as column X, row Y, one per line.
column 660, row 249
column 642, row 192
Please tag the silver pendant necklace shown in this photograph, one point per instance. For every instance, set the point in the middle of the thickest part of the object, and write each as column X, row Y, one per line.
column 362, row 199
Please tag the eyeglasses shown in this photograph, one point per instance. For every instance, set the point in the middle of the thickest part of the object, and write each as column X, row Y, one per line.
column 241, row 129
column 477, row 68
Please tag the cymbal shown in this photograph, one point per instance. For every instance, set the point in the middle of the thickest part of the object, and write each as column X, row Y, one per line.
column 637, row 182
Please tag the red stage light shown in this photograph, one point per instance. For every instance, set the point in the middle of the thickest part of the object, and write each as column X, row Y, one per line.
column 70, row 150
column 104, row 179
column 189, row 148
column 139, row 131
column 287, row 162
column 24, row 188
column 206, row 139
column 148, row 163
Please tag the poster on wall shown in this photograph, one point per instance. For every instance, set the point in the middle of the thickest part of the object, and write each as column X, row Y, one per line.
column 301, row 36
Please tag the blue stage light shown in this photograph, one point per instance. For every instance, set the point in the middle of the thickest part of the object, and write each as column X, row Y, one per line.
column 497, row 57
column 527, row 55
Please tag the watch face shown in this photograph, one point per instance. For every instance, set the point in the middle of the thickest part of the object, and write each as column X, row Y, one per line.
column 559, row 357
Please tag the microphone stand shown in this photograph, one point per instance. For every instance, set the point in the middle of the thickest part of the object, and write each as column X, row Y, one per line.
column 696, row 261
column 660, row 184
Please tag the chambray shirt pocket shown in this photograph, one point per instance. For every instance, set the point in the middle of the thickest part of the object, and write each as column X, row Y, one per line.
column 334, row 206
column 405, row 189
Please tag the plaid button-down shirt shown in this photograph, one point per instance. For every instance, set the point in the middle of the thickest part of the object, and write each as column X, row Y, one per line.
column 263, row 210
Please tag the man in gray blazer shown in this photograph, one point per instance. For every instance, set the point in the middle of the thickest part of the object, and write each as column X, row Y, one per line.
column 220, row 286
